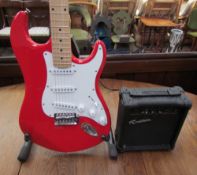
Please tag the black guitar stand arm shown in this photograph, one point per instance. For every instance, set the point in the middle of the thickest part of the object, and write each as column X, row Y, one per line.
column 26, row 148
column 113, row 154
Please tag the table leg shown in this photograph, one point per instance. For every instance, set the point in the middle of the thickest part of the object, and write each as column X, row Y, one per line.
column 115, row 46
column 161, row 39
column 143, row 35
column 154, row 40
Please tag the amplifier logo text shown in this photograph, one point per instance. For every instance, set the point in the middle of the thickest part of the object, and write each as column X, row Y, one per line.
column 135, row 122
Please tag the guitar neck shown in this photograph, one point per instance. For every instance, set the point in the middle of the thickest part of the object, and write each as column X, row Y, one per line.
column 60, row 33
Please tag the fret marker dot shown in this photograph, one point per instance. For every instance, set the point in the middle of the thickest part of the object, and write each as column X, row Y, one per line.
column 65, row 9
column 60, row 29
column 52, row 9
column 61, row 58
column 61, row 50
column 60, row 40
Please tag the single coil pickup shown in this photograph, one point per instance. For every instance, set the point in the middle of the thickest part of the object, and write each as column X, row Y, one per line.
column 66, row 119
column 63, row 89
column 64, row 105
column 62, row 71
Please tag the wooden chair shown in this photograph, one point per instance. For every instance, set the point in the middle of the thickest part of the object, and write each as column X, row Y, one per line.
column 164, row 12
column 165, row 9
column 113, row 6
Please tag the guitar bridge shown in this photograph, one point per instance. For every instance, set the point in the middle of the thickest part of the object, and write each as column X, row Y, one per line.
column 66, row 119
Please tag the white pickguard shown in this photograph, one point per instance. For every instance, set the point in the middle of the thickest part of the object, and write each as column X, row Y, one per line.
column 73, row 89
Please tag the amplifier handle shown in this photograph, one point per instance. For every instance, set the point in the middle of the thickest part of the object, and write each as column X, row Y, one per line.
column 143, row 92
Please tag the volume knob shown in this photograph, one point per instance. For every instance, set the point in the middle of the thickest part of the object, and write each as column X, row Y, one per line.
column 92, row 113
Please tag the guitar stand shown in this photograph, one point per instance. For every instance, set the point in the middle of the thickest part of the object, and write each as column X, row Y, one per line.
column 113, row 154
column 25, row 150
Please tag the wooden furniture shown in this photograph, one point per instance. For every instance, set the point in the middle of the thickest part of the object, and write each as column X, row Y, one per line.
column 112, row 6
column 156, row 22
column 166, row 9
column 181, row 160
column 161, row 10
column 158, row 29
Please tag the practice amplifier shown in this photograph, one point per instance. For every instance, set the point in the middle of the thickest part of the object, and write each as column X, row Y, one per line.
column 150, row 118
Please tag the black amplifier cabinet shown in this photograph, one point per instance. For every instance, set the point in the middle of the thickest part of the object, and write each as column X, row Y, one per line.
column 150, row 118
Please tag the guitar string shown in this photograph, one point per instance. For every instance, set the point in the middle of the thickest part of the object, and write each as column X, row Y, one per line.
column 62, row 79
column 59, row 83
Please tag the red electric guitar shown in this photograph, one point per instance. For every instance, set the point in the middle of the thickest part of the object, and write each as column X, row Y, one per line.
column 63, row 108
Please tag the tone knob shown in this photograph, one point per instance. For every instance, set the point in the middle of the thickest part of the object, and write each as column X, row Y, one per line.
column 81, row 108
column 92, row 113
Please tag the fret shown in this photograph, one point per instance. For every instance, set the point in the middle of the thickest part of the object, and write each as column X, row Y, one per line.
column 62, row 62
column 65, row 35
column 61, row 41
column 63, row 54
column 61, row 47
column 60, row 12
column 60, row 33
column 56, row 5
column 58, row 62
column 63, row 66
column 62, row 57
column 57, row 31
column 58, row 37
column 59, row 23
column 61, row 51
column 60, row 27
column 61, row 20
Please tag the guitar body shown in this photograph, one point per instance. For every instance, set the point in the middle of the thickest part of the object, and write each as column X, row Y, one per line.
column 51, row 92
